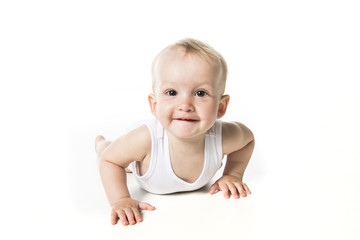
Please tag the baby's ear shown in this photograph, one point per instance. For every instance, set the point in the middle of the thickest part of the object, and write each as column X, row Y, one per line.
column 152, row 103
column 224, row 102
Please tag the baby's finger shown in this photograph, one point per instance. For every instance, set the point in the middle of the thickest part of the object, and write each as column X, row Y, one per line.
column 233, row 190
column 214, row 188
column 247, row 189
column 241, row 190
column 137, row 215
column 114, row 217
column 146, row 206
column 121, row 214
column 130, row 216
column 225, row 189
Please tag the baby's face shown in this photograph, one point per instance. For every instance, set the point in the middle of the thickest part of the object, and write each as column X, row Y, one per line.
column 187, row 94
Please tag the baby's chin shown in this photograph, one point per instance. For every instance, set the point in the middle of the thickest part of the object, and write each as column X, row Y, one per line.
column 186, row 129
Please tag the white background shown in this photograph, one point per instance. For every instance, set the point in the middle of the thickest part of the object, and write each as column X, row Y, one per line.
column 70, row 70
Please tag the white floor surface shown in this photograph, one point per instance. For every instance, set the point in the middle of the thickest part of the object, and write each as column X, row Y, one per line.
column 70, row 70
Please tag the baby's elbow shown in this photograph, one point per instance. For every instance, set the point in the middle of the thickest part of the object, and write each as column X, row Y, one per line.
column 250, row 140
column 105, row 157
column 105, row 163
column 251, row 136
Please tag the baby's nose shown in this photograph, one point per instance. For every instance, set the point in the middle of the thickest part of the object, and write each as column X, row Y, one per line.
column 186, row 105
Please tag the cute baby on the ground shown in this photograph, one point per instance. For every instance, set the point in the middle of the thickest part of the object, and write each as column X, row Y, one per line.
column 183, row 147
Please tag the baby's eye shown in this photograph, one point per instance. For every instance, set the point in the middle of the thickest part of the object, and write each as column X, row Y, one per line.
column 171, row 93
column 201, row 94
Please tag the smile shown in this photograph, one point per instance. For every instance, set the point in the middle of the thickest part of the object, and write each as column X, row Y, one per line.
column 186, row 119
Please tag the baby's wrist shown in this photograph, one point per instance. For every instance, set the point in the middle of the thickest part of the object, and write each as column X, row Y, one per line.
column 234, row 174
column 117, row 201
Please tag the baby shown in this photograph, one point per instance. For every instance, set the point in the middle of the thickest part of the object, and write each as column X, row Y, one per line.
column 183, row 146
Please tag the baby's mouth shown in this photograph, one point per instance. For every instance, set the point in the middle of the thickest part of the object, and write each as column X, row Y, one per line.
column 186, row 119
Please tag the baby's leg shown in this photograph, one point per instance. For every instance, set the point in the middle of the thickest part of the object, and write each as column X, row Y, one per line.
column 101, row 144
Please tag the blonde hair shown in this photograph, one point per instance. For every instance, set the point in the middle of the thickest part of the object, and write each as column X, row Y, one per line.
column 200, row 49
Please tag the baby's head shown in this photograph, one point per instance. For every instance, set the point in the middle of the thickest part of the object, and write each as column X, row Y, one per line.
column 194, row 48
column 188, row 88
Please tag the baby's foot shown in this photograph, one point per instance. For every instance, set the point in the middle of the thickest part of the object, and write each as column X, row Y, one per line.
column 98, row 139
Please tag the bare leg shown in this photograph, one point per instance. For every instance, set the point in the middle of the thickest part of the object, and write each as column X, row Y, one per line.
column 101, row 144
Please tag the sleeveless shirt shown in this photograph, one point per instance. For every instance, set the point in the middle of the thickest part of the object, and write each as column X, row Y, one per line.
column 160, row 177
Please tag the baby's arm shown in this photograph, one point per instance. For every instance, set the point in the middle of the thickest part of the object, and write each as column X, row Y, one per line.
column 238, row 145
column 117, row 156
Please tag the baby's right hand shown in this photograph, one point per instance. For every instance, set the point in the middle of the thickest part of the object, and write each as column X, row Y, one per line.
column 128, row 211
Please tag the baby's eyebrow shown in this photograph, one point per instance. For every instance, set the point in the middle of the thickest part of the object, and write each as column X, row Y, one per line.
column 175, row 84
column 170, row 83
column 205, row 86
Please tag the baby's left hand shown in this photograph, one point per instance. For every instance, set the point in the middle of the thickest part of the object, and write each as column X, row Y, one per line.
column 230, row 185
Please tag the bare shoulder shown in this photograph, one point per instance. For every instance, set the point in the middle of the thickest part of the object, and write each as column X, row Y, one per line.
column 235, row 136
column 133, row 146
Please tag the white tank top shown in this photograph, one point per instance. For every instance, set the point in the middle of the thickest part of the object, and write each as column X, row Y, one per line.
column 160, row 177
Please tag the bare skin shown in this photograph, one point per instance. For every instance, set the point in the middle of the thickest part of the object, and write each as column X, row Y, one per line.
column 128, row 210
column 187, row 100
